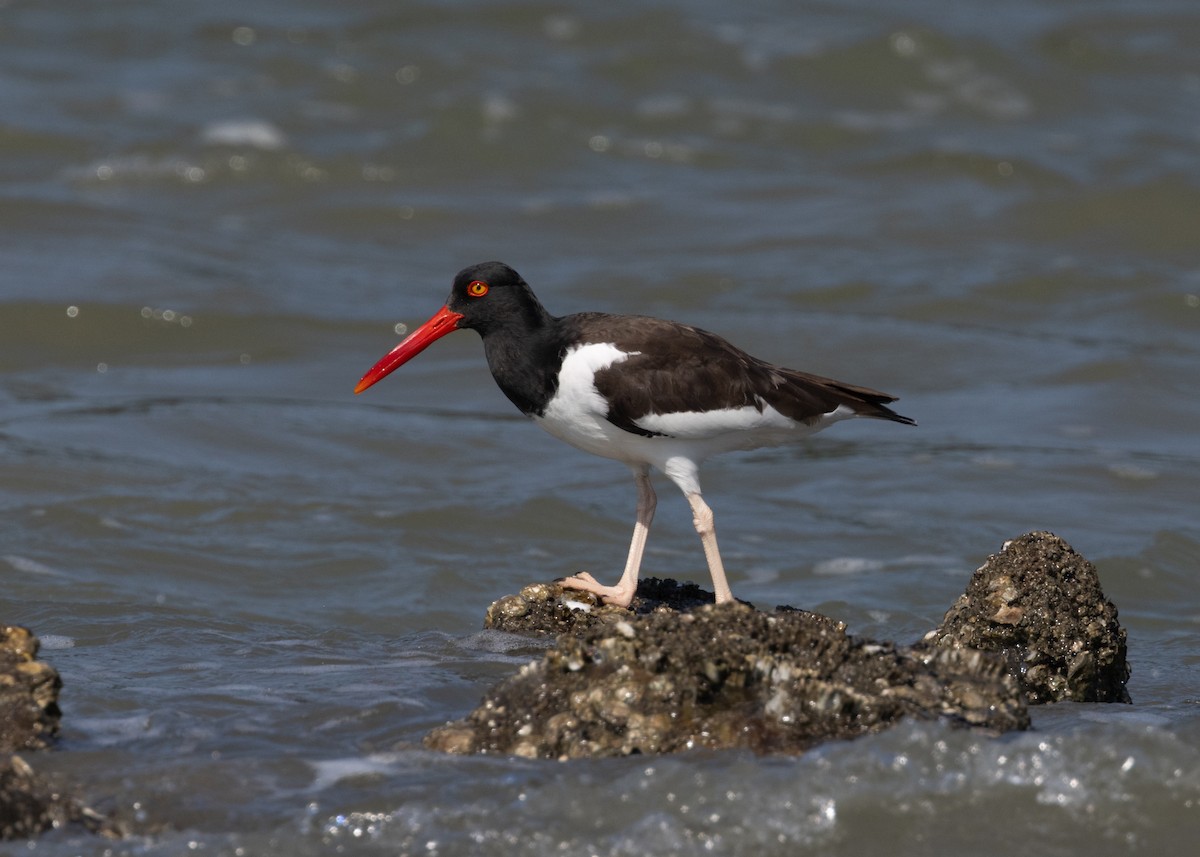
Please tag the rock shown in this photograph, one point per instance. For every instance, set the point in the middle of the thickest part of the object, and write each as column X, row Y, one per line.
column 721, row 677
column 29, row 717
column 1039, row 604
column 29, row 806
column 676, row 671
column 29, row 712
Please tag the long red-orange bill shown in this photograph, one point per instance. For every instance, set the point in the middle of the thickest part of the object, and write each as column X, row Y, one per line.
column 443, row 322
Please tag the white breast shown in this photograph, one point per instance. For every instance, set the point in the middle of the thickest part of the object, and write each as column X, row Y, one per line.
column 577, row 413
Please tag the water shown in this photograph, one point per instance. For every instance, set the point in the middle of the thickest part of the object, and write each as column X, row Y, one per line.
column 263, row 591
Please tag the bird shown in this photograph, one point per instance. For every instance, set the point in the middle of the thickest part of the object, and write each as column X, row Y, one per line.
column 644, row 391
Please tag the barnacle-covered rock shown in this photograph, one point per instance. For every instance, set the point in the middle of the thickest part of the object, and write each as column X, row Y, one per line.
column 676, row 671
column 726, row 676
column 1039, row 604
column 29, row 712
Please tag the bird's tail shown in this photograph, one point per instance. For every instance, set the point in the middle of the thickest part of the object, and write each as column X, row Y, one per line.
column 864, row 401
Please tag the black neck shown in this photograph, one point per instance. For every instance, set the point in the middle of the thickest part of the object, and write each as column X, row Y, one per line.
column 525, row 359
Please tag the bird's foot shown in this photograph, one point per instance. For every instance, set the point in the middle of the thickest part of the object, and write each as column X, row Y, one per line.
column 615, row 595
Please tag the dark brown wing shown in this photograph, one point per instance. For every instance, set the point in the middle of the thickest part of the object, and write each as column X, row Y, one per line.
column 677, row 368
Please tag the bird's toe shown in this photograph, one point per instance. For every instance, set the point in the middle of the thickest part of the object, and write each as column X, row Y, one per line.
column 614, row 595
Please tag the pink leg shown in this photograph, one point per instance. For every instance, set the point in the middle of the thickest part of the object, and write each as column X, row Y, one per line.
column 622, row 594
column 702, row 517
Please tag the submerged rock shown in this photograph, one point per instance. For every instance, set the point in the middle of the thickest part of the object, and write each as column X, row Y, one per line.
column 25, row 804
column 1039, row 604
column 29, row 805
column 29, row 712
column 675, row 671
column 722, row 677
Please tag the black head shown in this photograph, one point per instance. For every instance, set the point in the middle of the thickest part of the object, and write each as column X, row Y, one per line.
column 491, row 296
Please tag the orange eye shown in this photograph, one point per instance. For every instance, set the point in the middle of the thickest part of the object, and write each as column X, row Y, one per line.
column 477, row 288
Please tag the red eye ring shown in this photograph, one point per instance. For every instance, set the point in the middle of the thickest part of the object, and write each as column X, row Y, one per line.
column 477, row 288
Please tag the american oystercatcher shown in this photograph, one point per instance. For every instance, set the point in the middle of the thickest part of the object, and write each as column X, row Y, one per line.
column 648, row 392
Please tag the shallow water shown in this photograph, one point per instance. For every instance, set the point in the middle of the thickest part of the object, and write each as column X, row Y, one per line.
column 263, row 591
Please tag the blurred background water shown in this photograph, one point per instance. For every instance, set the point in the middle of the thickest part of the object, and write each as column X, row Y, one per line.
column 262, row 591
